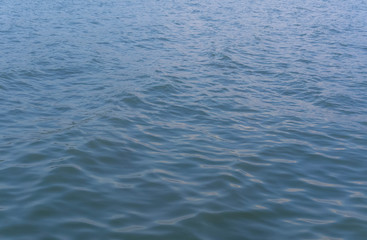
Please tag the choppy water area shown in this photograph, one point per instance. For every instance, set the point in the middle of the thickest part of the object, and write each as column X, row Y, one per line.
column 183, row 119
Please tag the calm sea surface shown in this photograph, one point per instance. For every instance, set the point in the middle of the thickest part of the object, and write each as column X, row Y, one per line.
column 183, row 119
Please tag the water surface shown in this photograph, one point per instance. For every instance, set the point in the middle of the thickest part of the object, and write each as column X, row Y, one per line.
column 183, row 119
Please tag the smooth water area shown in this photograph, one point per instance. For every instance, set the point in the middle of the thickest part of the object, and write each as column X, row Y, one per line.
column 183, row 119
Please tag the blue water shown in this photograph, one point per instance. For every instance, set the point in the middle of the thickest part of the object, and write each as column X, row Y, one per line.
column 183, row 119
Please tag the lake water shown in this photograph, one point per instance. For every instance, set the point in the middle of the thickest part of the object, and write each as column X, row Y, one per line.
column 183, row 119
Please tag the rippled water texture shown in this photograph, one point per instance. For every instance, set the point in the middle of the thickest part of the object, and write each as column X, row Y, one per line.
column 183, row 119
